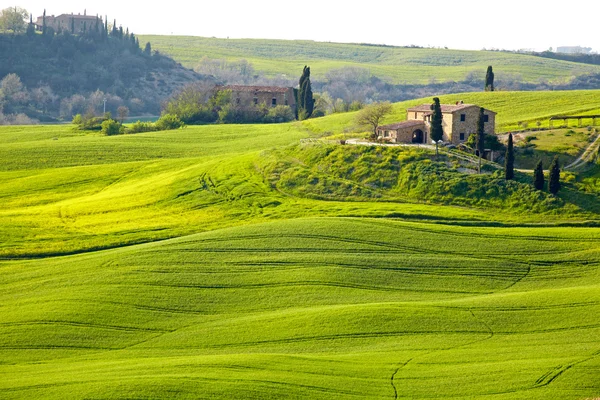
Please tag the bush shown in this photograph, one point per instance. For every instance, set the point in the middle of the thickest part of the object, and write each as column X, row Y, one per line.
column 168, row 122
column 280, row 114
column 111, row 127
column 140, row 127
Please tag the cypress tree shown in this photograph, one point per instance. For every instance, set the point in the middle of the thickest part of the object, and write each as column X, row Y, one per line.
column 72, row 25
column 481, row 132
column 509, row 159
column 538, row 176
column 44, row 22
column 554, row 182
column 84, row 27
column 489, row 80
column 148, row 49
column 30, row 27
column 305, row 101
column 105, row 26
column 437, row 131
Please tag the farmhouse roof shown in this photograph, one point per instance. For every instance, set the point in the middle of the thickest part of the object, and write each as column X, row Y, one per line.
column 79, row 16
column 254, row 89
column 446, row 108
column 401, row 125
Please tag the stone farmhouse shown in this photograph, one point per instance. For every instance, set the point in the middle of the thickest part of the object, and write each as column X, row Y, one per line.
column 271, row 96
column 459, row 121
column 64, row 22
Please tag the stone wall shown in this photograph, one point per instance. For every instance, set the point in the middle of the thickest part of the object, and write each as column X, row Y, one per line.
column 270, row 99
column 469, row 126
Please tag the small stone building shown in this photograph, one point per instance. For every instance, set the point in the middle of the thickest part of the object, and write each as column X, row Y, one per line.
column 458, row 122
column 65, row 21
column 271, row 96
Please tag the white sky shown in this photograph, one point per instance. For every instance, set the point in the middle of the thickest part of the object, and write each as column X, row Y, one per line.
column 466, row 24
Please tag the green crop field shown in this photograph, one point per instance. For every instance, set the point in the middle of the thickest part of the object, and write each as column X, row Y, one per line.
column 231, row 261
column 399, row 65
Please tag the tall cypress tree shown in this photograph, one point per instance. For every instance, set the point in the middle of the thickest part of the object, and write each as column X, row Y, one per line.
column 437, row 131
column 509, row 159
column 554, row 182
column 44, row 22
column 305, row 103
column 489, row 80
column 72, row 25
column 538, row 176
column 148, row 49
column 481, row 132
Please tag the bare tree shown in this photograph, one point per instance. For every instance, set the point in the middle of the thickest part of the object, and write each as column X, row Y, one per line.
column 372, row 115
column 122, row 112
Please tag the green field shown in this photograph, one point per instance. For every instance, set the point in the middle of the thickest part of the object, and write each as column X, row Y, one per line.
column 399, row 65
column 213, row 262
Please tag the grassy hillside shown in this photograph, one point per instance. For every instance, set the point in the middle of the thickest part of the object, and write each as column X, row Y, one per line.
column 400, row 65
column 312, row 308
column 273, row 284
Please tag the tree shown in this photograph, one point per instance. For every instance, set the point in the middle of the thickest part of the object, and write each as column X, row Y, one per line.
column 371, row 116
column 44, row 23
column 13, row 19
column 122, row 112
column 554, row 182
column 148, row 49
column 489, row 80
column 481, row 132
column 30, row 27
column 306, row 101
column 437, row 132
column 538, row 176
column 509, row 159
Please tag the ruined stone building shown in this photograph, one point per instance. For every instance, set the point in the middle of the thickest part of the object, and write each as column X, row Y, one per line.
column 459, row 121
column 271, row 96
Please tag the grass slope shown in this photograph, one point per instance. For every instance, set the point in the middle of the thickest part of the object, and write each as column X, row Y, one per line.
column 400, row 65
column 311, row 308
column 279, row 293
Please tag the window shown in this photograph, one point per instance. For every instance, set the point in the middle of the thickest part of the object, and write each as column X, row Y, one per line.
column 386, row 133
column 286, row 102
column 274, row 102
column 486, row 118
column 462, row 136
column 237, row 101
column 255, row 100
column 415, row 115
column 463, row 117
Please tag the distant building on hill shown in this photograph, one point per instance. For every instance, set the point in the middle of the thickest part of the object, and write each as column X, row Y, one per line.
column 459, row 121
column 66, row 21
column 271, row 96
column 574, row 50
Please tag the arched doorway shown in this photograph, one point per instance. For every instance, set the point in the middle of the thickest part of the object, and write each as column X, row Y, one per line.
column 417, row 136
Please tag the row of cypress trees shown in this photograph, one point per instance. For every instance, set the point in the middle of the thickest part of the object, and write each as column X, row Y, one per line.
column 538, row 173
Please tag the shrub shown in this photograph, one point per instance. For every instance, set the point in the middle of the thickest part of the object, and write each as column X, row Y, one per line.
column 111, row 127
column 168, row 122
column 280, row 114
column 140, row 127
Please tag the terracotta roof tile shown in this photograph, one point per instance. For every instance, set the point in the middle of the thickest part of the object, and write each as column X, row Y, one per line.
column 446, row 108
column 401, row 125
column 263, row 89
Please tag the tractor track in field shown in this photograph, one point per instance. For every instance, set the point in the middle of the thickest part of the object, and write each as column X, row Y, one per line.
column 488, row 330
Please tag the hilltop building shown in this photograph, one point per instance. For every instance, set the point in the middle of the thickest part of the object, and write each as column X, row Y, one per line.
column 459, row 121
column 271, row 96
column 574, row 50
column 65, row 21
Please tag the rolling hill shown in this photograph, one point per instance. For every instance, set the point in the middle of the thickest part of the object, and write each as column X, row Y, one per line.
column 179, row 265
column 394, row 64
